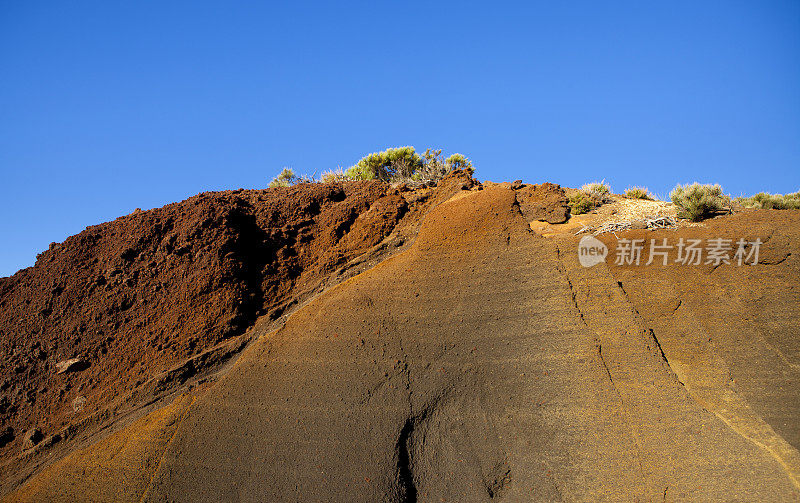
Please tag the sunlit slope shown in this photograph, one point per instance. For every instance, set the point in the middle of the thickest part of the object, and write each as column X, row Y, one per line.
column 482, row 363
column 464, row 370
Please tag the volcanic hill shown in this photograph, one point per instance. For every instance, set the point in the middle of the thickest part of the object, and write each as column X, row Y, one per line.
column 363, row 342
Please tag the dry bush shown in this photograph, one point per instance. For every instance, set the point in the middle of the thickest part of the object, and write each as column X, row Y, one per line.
column 599, row 188
column 287, row 178
column 696, row 202
column 404, row 165
column 763, row 200
column 639, row 193
column 580, row 203
column 284, row 179
column 590, row 196
column 335, row 176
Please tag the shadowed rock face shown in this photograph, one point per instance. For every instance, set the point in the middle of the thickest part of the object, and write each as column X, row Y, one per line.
column 484, row 363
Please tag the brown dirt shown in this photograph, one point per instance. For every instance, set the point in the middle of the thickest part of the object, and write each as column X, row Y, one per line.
column 130, row 455
column 546, row 202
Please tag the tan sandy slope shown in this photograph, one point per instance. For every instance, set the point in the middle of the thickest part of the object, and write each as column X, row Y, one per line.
column 484, row 363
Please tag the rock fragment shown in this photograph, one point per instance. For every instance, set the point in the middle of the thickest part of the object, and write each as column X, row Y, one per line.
column 31, row 438
column 71, row 365
column 78, row 403
column 546, row 202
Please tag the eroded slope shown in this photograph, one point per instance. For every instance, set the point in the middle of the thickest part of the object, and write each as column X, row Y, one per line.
column 126, row 311
column 484, row 363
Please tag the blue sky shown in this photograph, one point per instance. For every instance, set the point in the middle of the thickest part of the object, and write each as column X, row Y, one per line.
column 108, row 106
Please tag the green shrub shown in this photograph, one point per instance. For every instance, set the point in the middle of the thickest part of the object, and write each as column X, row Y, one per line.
column 393, row 165
column 284, row 179
column 763, row 200
column 792, row 201
column 696, row 202
column 580, row 203
column 359, row 172
column 638, row 193
column 588, row 197
column 387, row 165
column 404, row 165
column 458, row 161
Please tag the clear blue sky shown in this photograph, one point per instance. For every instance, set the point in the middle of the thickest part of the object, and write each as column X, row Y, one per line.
column 108, row 106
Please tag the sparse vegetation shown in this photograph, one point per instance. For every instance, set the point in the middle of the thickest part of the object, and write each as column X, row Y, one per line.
column 638, row 193
column 434, row 167
column 284, row 179
column 335, row 175
column 763, row 200
column 696, row 202
column 598, row 188
column 393, row 165
column 580, row 203
column 287, row 178
column 387, row 165
column 403, row 164
column 589, row 197
column 458, row 161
